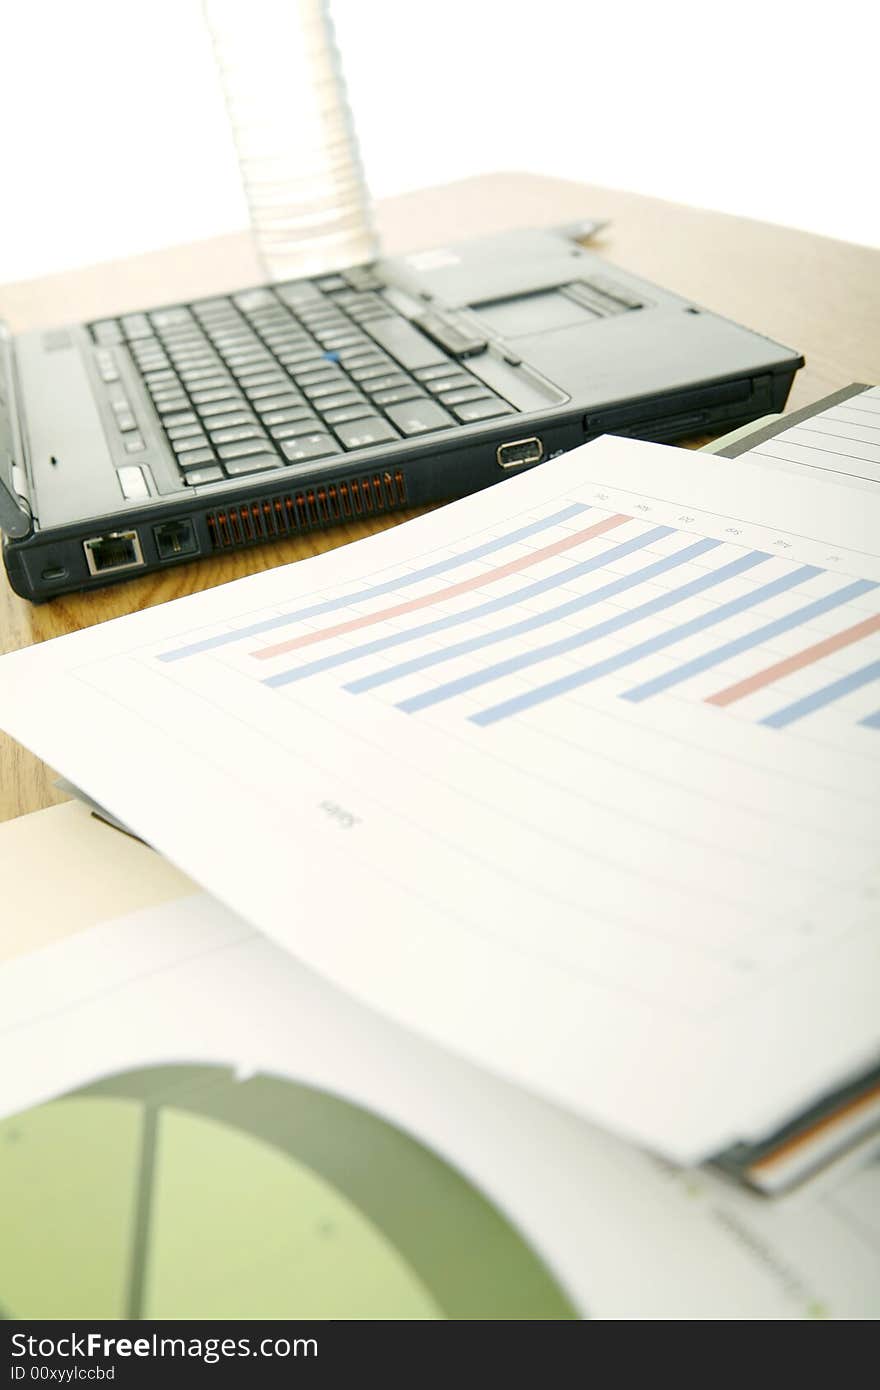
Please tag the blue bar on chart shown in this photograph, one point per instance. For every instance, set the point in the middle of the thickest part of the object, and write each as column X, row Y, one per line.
column 315, row 610
column 535, row 622
column 530, row 698
column 495, row 605
column 607, row 628
column 717, row 655
column 819, row 699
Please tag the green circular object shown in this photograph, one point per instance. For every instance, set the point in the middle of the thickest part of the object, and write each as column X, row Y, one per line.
column 181, row 1192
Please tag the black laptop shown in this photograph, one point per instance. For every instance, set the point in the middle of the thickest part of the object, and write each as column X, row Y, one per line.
column 138, row 442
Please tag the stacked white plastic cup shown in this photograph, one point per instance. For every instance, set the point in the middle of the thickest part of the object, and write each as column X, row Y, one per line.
column 300, row 164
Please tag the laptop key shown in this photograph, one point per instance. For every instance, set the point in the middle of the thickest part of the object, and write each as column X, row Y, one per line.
column 418, row 417
column 245, row 448
column 278, row 330
column 220, row 393
column 295, row 428
column 301, row 371
column 137, row 326
column 321, row 313
column 234, row 342
column 464, row 393
column 211, row 414
column 268, row 391
column 196, row 458
column 283, row 402
column 215, row 380
column 107, row 332
column 172, row 406
column 404, row 343
column 387, row 382
column 302, row 357
column 251, row 463
column 133, row 483
column 224, row 421
column 348, row 412
column 185, row 417
column 454, row 336
column 332, row 342
column 289, row 343
column 298, row 293
column 482, row 409
column 205, row 307
column 429, row 373
column 190, row 361
column 149, row 361
column 453, row 382
column 363, row 277
column 337, row 400
column 260, row 375
column 395, row 396
column 183, row 342
column 284, row 417
column 204, row 372
column 367, row 364
column 171, row 318
column 318, row 376
column 203, row 475
column 186, row 446
column 309, row 446
column 251, row 357
column 360, row 434
column 364, row 312
column 161, row 394
column 253, row 299
column 236, row 433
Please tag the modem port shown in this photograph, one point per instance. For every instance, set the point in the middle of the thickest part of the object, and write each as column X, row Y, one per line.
column 174, row 539
column 520, row 452
column 118, row 550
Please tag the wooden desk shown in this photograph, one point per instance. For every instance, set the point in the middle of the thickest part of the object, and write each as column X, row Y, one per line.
column 819, row 296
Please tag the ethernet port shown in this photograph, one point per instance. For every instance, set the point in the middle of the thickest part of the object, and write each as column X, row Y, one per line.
column 174, row 539
column 118, row 550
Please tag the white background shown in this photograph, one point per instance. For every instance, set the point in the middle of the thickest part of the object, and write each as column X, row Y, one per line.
column 115, row 137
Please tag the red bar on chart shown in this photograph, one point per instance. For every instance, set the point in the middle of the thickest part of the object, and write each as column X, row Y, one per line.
column 796, row 662
column 522, row 562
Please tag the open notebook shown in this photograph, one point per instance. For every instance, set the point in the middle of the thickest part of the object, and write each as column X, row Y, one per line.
column 577, row 777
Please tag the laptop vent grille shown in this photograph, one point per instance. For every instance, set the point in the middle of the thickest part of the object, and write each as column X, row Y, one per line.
column 291, row 513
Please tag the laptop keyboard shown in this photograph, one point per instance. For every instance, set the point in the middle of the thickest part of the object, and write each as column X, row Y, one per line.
column 286, row 375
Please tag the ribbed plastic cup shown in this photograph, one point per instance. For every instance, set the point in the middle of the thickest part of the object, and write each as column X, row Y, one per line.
column 297, row 149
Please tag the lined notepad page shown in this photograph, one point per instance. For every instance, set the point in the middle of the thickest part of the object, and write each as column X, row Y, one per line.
column 843, row 439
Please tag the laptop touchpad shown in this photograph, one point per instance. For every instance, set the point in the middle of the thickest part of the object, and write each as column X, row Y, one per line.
column 532, row 313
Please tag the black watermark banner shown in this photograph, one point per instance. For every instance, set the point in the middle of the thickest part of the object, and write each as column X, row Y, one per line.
column 138, row 1353
column 254, row 1353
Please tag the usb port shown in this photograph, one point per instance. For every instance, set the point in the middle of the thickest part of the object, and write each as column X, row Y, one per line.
column 520, row 452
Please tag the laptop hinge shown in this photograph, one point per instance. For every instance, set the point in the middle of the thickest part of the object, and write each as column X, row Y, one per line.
column 15, row 512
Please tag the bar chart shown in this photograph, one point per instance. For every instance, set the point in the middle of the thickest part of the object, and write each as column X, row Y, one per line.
column 585, row 597
column 598, row 745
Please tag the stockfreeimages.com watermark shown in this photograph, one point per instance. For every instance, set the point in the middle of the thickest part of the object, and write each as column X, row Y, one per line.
column 95, row 1346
